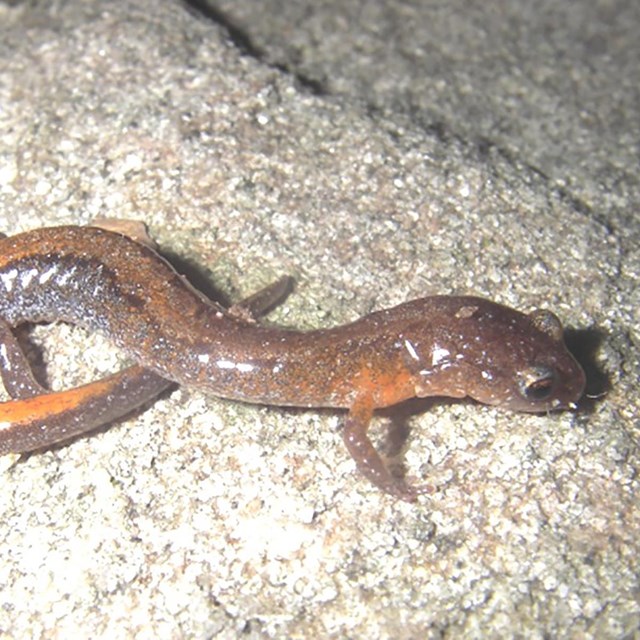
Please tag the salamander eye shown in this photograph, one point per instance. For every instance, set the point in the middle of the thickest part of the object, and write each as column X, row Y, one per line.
column 547, row 322
column 537, row 382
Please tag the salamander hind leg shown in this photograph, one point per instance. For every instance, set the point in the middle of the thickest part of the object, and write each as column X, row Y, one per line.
column 15, row 370
column 133, row 229
column 367, row 459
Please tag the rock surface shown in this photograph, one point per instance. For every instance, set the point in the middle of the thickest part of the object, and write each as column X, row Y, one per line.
column 377, row 152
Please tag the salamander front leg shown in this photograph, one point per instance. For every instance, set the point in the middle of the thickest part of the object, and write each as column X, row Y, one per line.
column 368, row 460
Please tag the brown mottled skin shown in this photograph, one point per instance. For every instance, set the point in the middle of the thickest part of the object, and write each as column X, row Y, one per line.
column 104, row 281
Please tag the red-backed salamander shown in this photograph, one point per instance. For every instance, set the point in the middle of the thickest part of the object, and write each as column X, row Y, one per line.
column 454, row 346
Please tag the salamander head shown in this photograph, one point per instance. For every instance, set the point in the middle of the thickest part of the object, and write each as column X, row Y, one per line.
column 501, row 357
column 544, row 376
column 530, row 368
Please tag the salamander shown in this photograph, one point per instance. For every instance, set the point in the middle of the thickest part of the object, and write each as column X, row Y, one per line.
column 455, row 346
